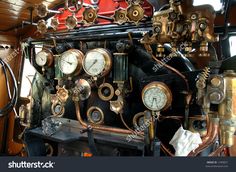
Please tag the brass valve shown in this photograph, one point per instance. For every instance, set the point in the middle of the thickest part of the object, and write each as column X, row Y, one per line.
column 71, row 22
column 90, row 15
column 120, row 16
column 135, row 13
column 42, row 26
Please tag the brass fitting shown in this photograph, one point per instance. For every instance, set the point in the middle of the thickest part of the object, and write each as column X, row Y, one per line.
column 42, row 26
column 227, row 109
column 90, row 15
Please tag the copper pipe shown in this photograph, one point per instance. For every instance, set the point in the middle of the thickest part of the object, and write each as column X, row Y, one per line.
column 163, row 147
column 218, row 150
column 208, row 140
column 174, row 70
column 97, row 127
column 125, row 124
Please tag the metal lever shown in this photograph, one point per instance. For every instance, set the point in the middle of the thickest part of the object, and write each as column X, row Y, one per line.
column 42, row 11
column 91, row 142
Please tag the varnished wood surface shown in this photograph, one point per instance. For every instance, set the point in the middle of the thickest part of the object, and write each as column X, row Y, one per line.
column 13, row 12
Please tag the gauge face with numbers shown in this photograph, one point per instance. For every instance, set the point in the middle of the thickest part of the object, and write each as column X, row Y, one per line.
column 43, row 58
column 70, row 61
column 156, row 96
column 97, row 62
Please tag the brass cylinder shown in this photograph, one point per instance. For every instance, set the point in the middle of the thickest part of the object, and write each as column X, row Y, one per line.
column 227, row 110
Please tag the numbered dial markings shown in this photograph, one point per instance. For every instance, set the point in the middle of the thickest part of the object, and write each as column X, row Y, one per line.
column 156, row 96
column 43, row 58
column 97, row 62
column 70, row 61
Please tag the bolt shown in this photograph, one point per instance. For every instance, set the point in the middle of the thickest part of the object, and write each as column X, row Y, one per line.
column 215, row 97
column 194, row 16
column 202, row 26
column 215, row 82
column 157, row 29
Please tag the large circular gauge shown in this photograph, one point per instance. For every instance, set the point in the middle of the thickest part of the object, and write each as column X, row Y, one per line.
column 70, row 62
column 44, row 58
column 97, row 62
column 156, row 96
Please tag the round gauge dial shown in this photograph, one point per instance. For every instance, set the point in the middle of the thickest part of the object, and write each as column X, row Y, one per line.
column 97, row 62
column 44, row 58
column 71, row 61
column 156, row 96
column 95, row 115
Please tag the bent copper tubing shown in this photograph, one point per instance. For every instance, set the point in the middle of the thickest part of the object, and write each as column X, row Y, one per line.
column 96, row 127
column 218, row 150
column 208, row 140
column 173, row 70
column 165, row 149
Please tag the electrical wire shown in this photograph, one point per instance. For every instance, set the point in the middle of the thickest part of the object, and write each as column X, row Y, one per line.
column 8, row 87
column 13, row 98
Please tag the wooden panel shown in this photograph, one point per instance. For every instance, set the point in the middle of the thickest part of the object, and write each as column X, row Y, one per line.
column 13, row 12
column 7, row 39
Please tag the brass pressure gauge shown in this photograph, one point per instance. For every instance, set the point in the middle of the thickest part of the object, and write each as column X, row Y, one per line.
column 95, row 115
column 156, row 96
column 97, row 62
column 44, row 58
column 70, row 62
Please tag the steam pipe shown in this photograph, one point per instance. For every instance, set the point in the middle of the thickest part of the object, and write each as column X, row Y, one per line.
column 218, row 150
column 96, row 127
column 212, row 132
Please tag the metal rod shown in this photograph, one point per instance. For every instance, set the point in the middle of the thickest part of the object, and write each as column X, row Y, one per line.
column 54, row 11
column 106, row 18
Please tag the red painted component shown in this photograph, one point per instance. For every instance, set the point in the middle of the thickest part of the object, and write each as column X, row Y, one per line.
column 106, row 8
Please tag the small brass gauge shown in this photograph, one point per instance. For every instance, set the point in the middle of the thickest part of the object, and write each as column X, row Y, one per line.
column 44, row 58
column 106, row 92
column 156, row 96
column 95, row 115
column 58, row 109
column 70, row 62
column 97, row 62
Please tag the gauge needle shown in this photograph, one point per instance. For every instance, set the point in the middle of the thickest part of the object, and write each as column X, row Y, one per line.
column 154, row 99
column 95, row 61
column 67, row 62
